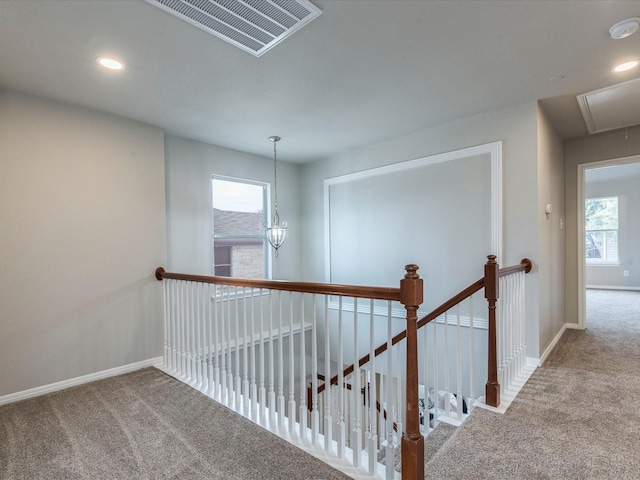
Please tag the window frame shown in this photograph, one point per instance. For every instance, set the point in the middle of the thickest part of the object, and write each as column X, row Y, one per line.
column 590, row 261
column 262, row 236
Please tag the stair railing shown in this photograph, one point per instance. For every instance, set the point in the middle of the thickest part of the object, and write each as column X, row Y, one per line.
column 254, row 345
column 245, row 343
column 504, row 325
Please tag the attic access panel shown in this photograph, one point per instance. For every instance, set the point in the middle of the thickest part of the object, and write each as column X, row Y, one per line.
column 255, row 26
column 617, row 106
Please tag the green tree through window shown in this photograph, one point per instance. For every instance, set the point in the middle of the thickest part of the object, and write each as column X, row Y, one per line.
column 601, row 230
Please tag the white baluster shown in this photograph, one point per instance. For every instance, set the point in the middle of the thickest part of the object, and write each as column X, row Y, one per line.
column 237, row 390
column 459, row 400
column 272, row 357
column 246, row 400
column 175, row 326
column 253, row 394
column 211, row 352
column 262, row 392
column 389, row 404
column 303, row 374
column 436, row 356
column 172, row 319
column 447, row 406
column 472, row 356
column 400, row 389
column 427, row 351
column 512, row 330
column 183, row 333
column 184, row 324
column 356, row 434
column 502, row 335
column 229, row 337
column 522, row 319
column 223, row 345
column 203, row 341
column 217, row 342
column 292, row 356
column 193, row 353
column 341, row 431
column 315, row 417
column 328, row 420
column 372, row 439
column 280, row 409
column 200, row 358
column 165, row 297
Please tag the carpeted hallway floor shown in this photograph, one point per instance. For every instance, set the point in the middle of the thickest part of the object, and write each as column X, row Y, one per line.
column 142, row 425
column 578, row 416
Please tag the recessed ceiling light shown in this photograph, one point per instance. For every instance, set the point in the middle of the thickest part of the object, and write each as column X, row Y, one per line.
column 110, row 63
column 624, row 28
column 623, row 67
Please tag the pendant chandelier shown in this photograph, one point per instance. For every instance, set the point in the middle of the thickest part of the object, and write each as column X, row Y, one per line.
column 277, row 232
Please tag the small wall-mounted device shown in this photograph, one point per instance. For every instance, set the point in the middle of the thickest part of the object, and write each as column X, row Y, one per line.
column 548, row 208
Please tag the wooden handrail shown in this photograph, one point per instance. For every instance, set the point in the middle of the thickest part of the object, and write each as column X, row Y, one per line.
column 375, row 293
column 524, row 266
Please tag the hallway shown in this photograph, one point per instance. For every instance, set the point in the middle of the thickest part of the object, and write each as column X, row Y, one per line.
column 578, row 416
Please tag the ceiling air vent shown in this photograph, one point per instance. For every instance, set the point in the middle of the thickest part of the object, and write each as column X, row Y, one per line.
column 253, row 25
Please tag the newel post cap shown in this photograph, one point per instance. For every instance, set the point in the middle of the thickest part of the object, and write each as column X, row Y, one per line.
column 411, row 287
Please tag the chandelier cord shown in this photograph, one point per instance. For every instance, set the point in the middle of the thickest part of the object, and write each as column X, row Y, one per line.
column 275, row 176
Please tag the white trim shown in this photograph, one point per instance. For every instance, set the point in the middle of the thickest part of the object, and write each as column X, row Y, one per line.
column 611, row 287
column 553, row 344
column 494, row 149
column 532, row 362
column 582, row 263
column 73, row 382
column 573, row 326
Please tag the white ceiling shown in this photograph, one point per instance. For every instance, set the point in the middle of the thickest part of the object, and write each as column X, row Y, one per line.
column 362, row 72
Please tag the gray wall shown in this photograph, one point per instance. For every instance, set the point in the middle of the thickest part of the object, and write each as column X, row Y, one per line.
column 595, row 148
column 82, row 229
column 515, row 126
column 627, row 190
column 551, row 232
column 189, row 167
column 448, row 230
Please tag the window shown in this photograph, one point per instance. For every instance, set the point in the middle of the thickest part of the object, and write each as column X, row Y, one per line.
column 601, row 229
column 239, row 216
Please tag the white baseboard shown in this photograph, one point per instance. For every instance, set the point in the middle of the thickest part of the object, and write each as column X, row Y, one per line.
column 531, row 362
column 72, row 382
column 611, row 287
column 553, row 344
column 574, row 326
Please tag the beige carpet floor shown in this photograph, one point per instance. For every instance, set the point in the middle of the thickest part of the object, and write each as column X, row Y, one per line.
column 578, row 416
column 142, row 425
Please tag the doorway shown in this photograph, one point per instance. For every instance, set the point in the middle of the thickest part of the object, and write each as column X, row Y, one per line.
column 608, row 234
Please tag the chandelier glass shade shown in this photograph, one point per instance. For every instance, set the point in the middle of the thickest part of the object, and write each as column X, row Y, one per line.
column 277, row 232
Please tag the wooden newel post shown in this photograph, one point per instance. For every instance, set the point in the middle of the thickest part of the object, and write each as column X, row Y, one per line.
column 491, row 293
column 412, row 449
